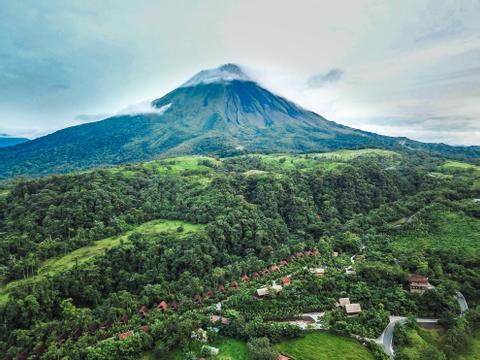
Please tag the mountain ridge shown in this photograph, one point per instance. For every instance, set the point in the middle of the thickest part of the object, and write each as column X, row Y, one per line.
column 218, row 112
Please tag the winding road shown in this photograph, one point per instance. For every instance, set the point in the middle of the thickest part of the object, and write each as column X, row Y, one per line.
column 386, row 338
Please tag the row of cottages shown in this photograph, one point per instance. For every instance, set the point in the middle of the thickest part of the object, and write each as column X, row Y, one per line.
column 350, row 309
column 216, row 319
column 419, row 284
column 275, row 288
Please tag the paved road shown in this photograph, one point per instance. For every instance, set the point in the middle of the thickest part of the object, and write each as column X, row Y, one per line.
column 386, row 338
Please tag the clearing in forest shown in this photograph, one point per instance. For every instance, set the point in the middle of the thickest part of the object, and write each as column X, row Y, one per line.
column 63, row 263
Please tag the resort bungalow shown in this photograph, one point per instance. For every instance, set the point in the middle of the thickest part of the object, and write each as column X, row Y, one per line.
column 319, row 272
column 265, row 291
column 418, row 283
column 342, row 302
column 353, row 309
column 286, row 280
column 143, row 311
column 125, row 335
column 245, row 278
column 162, row 306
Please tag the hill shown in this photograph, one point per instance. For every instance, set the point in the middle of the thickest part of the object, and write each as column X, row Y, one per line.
column 10, row 141
column 133, row 260
column 218, row 112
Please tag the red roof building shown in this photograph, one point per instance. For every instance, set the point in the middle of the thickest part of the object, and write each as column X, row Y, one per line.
column 275, row 268
column 283, row 357
column 286, row 280
column 197, row 299
column 245, row 278
column 125, row 335
column 283, row 263
column 175, row 305
column 255, row 275
column 299, row 255
column 234, row 285
column 209, row 294
column 143, row 311
column 221, row 288
column 214, row 319
column 265, row 271
column 163, row 306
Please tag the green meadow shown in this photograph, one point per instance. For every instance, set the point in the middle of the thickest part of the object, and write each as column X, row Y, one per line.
column 324, row 346
column 57, row 265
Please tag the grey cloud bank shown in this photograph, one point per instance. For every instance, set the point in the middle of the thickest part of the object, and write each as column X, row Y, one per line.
column 412, row 63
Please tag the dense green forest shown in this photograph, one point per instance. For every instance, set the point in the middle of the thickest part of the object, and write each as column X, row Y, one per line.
column 87, row 256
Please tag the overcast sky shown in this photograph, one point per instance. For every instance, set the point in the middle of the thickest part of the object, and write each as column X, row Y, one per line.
column 401, row 68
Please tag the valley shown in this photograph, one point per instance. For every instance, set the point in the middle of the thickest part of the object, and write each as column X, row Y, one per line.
column 185, row 230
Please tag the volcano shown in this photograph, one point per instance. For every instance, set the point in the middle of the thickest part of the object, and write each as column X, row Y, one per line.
column 220, row 111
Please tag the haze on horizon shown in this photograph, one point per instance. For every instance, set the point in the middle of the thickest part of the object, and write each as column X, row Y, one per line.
column 398, row 68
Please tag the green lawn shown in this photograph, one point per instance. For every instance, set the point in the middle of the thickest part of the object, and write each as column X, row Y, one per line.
column 180, row 164
column 473, row 352
column 452, row 231
column 329, row 160
column 324, row 346
column 230, row 349
column 63, row 263
column 418, row 341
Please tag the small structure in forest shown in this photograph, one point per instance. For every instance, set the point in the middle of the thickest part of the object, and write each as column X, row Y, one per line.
column 318, row 272
column 353, row 309
column 283, row 357
column 262, row 292
column 418, row 284
column 125, row 335
column 197, row 299
column 245, row 278
column 143, row 311
column 162, row 306
column 234, row 285
column 286, row 280
column 209, row 294
column 200, row 335
column 342, row 302
column 211, row 350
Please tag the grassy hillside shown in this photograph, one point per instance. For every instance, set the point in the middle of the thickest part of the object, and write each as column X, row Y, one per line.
column 444, row 230
column 324, row 346
column 78, row 256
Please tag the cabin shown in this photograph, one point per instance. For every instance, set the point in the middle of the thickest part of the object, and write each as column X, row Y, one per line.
column 262, row 292
column 197, row 299
column 265, row 271
column 299, row 255
column 175, row 305
column 283, row 263
column 318, row 272
column 234, row 285
column 275, row 268
column 308, row 253
column 245, row 278
column 286, row 280
column 125, row 335
column 107, row 324
column 214, row 319
column 342, row 302
column 335, row 254
column 209, row 294
column 225, row 321
column 255, row 275
column 418, row 283
column 213, row 351
column 143, row 311
column 291, row 257
column 124, row 319
column 353, row 309
column 283, row 357
column 163, row 306
column 221, row 288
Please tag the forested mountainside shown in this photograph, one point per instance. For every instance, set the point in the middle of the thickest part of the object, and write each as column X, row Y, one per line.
column 207, row 115
column 10, row 141
column 131, row 261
